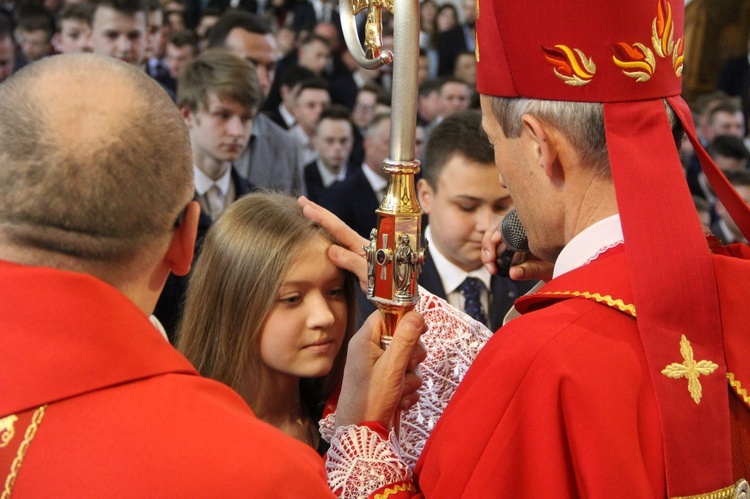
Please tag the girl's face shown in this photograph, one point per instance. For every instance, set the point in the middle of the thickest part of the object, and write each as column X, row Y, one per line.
column 304, row 330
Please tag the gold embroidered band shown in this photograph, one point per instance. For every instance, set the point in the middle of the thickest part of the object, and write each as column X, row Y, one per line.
column 606, row 300
column 737, row 491
column 33, row 423
column 395, row 489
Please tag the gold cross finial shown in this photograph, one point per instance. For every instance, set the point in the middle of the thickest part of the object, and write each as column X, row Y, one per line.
column 374, row 24
column 690, row 369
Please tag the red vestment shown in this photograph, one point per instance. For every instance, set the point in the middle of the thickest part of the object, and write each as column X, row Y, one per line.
column 560, row 402
column 126, row 414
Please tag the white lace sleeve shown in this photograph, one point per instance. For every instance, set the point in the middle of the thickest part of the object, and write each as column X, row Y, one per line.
column 360, row 462
column 452, row 340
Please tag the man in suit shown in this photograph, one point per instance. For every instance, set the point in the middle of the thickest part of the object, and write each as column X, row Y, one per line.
column 312, row 54
column 218, row 97
column 355, row 199
column 311, row 98
column 182, row 47
column 333, row 141
column 270, row 160
column 730, row 154
column 289, row 83
column 460, row 193
column 308, row 13
column 724, row 119
column 119, row 30
column 455, row 95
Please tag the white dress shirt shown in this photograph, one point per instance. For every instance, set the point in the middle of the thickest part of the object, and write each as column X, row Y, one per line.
column 307, row 152
column 203, row 183
column 379, row 184
column 288, row 117
column 327, row 176
column 451, row 276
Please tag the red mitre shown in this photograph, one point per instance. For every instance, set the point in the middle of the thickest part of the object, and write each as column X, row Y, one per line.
column 629, row 56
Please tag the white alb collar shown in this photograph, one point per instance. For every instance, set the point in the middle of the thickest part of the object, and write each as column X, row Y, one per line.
column 589, row 244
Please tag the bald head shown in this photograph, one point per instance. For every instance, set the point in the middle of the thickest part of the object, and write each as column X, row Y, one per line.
column 95, row 159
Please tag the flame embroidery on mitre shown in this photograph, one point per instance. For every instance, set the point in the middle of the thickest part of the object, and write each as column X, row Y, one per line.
column 636, row 61
column 678, row 57
column 571, row 66
column 662, row 37
column 662, row 30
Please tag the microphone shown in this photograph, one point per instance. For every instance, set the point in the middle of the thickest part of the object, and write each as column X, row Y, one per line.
column 515, row 244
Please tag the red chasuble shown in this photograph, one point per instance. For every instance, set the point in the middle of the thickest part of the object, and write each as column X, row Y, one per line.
column 560, row 401
column 95, row 403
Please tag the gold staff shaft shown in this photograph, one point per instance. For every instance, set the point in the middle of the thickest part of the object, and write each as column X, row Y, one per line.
column 395, row 253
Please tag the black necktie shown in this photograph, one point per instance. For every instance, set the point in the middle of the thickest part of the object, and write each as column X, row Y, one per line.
column 472, row 289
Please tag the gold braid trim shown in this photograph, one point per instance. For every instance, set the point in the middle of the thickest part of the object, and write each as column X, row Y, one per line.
column 738, row 490
column 630, row 310
column 738, row 389
column 724, row 493
column 402, row 487
column 607, row 299
column 36, row 420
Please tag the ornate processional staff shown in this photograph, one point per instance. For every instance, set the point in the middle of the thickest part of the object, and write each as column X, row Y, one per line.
column 395, row 253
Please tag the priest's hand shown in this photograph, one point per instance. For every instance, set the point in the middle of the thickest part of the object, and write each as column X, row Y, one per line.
column 377, row 382
column 530, row 269
column 349, row 254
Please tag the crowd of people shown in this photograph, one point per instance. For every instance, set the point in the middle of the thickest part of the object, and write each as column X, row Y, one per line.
column 173, row 306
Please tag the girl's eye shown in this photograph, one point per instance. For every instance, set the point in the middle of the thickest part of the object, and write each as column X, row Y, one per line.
column 336, row 292
column 290, row 300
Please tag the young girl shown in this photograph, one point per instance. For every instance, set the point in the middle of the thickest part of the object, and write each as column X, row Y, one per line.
column 268, row 313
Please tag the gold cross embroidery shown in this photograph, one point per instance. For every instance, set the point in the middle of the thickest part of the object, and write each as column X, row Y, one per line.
column 690, row 369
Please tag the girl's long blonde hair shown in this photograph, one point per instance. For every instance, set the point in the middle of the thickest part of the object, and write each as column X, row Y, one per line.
column 234, row 285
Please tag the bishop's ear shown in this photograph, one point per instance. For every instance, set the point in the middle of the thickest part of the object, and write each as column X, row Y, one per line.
column 543, row 141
